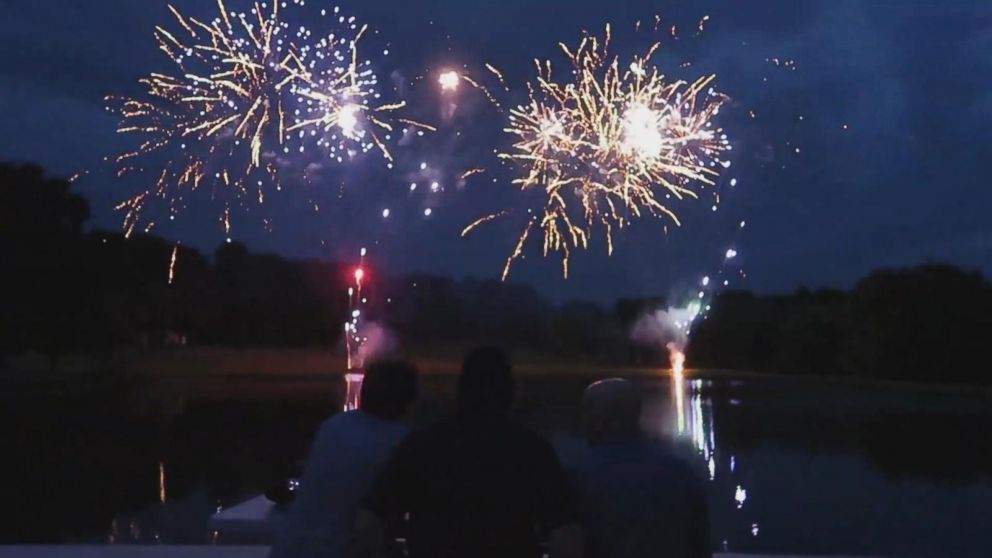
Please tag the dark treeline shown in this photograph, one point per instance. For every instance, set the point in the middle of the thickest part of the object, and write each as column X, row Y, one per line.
column 929, row 323
column 67, row 289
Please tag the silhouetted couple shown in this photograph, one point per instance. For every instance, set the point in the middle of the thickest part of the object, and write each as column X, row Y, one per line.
column 477, row 485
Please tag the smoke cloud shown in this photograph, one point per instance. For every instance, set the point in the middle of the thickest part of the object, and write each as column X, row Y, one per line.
column 378, row 342
column 667, row 328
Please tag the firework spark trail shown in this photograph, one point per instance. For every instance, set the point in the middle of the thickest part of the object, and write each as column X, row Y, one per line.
column 470, row 173
column 499, row 76
column 172, row 263
column 352, row 330
column 248, row 87
column 485, row 91
column 450, row 81
column 607, row 147
column 417, row 124
column 702, row 23
column 483, row 220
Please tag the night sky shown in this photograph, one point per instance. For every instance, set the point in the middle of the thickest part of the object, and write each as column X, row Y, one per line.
column 905, row 183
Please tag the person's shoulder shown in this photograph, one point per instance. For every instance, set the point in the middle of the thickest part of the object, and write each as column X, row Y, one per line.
column 334, row 432
column 345, row 420
column 334, row 428
column 356, row 421
column 337, row 422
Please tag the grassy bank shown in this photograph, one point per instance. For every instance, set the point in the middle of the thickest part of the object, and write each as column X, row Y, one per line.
column 223, row 372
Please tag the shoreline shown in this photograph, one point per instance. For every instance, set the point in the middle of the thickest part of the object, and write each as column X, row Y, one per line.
column 320, row 366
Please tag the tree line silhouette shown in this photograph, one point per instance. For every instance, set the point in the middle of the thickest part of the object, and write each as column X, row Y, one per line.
column 70, row 289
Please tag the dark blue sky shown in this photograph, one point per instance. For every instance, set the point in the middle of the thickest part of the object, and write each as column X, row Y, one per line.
column 905, row 183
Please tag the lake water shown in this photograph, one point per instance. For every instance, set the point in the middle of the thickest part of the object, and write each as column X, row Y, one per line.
column 791, row 466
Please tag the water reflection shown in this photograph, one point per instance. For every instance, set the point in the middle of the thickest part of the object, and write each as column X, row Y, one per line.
column 783, row 460
column 694, row 425
column 792, row 467
column 161, row 482
column 740, row 496
column 353, row 390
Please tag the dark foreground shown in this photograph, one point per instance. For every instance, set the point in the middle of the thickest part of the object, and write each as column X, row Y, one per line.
column 793, row 467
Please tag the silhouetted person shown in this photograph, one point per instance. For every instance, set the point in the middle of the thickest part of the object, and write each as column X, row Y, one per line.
column 636, row 500
column 476, row 485
column 348, row 452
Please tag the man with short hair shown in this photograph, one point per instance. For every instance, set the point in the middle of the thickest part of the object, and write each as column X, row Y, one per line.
column 475, row 485
column 636, row 499
column 347, row 453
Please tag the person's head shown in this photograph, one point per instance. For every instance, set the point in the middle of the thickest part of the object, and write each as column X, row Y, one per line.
column 611, row 410
column 486, row 385
column 389, row 388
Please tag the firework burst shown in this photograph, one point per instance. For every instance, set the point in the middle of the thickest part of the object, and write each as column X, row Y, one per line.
column 247, row 91
column 609, row 145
